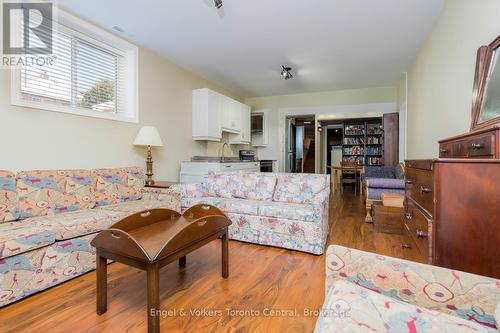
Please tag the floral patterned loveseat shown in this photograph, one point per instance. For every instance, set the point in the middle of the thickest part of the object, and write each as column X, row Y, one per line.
column 366, row 292
column 277, row 209
column 48, row 218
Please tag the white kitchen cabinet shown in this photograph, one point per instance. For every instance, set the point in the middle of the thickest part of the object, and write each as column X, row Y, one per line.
column 260, row 128
column 244, row 136
column 206, row 115
column 230, row 115
column 194, row 172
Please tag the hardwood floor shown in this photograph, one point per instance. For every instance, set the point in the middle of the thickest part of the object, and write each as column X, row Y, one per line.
column 260, row 278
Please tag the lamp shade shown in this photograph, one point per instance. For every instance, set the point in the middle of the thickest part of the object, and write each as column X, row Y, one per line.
column 148, row 136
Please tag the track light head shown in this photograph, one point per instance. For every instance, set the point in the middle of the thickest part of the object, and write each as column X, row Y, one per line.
column 286, row 73
column 218, row 4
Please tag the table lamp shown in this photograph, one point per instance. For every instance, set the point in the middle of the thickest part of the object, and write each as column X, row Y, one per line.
column 148, row 136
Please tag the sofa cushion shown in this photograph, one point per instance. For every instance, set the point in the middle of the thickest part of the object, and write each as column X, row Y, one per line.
column 219, row 184
column 292, row 211
column 79, row 223
column 116, row 185
column 135, row 182
column 50, row 192
column 253, row 185
column 227, row 205
column 351, row 308
column 9, row 210
column 19, row 237
column 386, row 183
column 299, row 188
column 132, row 207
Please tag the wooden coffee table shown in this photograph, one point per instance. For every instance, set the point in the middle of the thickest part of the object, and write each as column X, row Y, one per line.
column 152, row 239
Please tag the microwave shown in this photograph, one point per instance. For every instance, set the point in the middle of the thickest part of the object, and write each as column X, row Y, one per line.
column 257, row 123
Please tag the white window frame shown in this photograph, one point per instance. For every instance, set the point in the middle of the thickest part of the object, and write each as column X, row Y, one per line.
column 105, row 40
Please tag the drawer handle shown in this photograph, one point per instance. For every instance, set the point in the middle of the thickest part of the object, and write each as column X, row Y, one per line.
column 409, row 181
column 409, row 215
column 443, row 150
column 202, row 223
column 421, row 234
column 476, row 146
column 115, row 235
column 145, row 214
column 405, row 246
column 424, row 189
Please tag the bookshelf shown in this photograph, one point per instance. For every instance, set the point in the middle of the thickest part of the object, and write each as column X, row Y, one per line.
column 363, row 141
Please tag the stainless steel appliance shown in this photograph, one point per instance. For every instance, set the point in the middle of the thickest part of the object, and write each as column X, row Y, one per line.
column 247, row 155
column 266, row 165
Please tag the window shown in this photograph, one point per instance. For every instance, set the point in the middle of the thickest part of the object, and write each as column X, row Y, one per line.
column 94, row 73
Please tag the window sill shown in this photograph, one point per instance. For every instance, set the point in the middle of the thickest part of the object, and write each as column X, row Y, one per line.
column 74, row 111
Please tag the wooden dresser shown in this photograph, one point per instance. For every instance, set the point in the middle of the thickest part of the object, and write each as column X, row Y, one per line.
column 477, row 144
column 452, row 214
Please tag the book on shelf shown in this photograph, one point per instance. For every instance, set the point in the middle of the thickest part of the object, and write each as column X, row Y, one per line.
column 354, row 130
column 354, row 150
column 373, row 140
column 374, row 129
column 370, row 150
column 359, row 160
column 374, row 161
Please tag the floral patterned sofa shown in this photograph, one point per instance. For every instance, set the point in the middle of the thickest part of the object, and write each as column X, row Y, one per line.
column 277, row 209
column 48, row 218
column 366, row 292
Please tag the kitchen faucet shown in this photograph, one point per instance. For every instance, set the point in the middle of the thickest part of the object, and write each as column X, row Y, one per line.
column 223, row 158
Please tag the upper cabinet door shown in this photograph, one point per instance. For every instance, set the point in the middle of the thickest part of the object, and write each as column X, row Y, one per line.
column 231, row 115
column 243, row 137
column 260, row 131
column 214, row 113
column 206, row 114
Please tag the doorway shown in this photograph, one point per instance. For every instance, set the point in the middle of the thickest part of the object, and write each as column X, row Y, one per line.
column 333, row 146
column 300, row 145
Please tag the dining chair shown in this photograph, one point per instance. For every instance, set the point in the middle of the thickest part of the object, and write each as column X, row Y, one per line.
column 349, row 175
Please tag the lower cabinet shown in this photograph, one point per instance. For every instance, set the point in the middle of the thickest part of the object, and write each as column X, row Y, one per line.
column 194, row 172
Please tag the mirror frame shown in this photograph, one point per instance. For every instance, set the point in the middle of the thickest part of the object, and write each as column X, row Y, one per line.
column 483, row 63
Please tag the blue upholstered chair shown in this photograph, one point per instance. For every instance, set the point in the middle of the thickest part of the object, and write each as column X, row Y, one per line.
column 378, row 180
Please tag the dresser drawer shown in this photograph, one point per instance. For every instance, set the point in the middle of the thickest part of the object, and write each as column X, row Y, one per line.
column 409, row 248
column 459, row 149
column 418, row 227
column 482, row 146
column 420, row 187
column 445, row 150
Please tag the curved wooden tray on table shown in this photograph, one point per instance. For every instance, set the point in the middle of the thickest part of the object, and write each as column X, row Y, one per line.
column 151, row 239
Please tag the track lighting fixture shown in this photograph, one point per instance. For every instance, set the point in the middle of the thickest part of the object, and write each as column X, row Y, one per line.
column 285, row 73
column 218, row 4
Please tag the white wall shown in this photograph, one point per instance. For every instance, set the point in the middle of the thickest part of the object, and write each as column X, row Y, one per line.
column 36, row 139
column 441, row 79
column 402, row 109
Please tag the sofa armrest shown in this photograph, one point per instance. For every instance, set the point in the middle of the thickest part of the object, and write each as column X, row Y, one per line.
column 166, row 195
column 322, row 196
column 461, row 294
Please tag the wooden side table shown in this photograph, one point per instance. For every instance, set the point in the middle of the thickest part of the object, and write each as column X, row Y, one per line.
column 161, row 184
column 151, row 239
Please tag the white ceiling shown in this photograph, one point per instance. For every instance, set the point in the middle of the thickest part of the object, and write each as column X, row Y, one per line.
column 331, row 44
